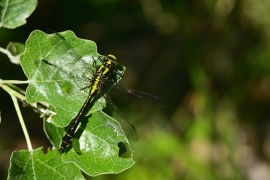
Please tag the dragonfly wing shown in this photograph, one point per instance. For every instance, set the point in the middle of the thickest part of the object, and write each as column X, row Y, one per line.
column 137, row 98
column 67, row 56
column 127, row 127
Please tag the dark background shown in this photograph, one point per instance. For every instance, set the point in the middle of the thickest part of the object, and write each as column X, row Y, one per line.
column 208, row 60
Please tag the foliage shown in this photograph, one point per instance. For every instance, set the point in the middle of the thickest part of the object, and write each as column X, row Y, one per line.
column 36, row 165
column 208, row 60
column 14, row 12
column 98, row 141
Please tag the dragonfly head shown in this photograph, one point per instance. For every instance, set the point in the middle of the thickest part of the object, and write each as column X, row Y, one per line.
column 112, row 58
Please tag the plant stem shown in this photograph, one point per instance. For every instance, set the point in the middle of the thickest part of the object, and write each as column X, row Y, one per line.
column 27, row 138
column 13, row 95
column 5, row 52
column 13, row 82
column 13, row 59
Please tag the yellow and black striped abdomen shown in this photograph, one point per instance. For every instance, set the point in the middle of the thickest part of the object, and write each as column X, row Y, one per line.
column 99, row 77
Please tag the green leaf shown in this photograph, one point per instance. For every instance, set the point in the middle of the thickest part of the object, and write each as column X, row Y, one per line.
column 64, row 86
column 36, row 165
column 14, row 12
column 99, row 141
column 53, row 133
column 15, row 49
column 64, row 92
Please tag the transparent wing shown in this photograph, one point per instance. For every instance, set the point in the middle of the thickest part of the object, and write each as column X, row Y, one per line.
column 127, row 127
column 56, row 69
column 66, row 56
column 137, row 98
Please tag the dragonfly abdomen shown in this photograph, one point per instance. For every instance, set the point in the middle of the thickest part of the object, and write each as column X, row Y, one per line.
column 102, row 73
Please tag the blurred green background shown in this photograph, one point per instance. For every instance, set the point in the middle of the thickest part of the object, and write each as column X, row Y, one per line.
column 208, row 60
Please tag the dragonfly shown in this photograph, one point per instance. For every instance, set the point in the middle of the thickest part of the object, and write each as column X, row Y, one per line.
column 98, row 80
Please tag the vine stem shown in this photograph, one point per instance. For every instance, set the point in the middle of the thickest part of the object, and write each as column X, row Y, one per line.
column 13, row 95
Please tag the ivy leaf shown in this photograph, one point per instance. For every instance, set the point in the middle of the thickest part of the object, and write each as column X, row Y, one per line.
column 14, row 12
column 36, row 165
